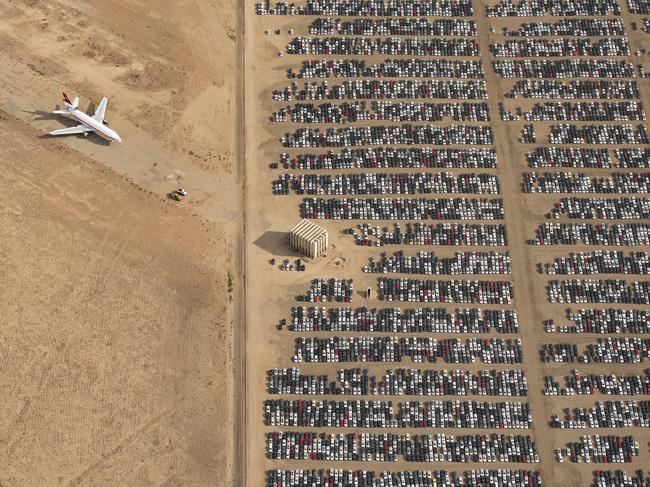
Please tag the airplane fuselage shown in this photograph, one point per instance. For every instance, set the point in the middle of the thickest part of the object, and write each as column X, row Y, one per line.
column 98, row 127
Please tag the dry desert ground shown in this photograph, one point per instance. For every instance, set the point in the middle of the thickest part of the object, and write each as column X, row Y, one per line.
column 116, row 331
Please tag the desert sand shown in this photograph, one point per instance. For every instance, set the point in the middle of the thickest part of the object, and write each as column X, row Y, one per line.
column 117, row 323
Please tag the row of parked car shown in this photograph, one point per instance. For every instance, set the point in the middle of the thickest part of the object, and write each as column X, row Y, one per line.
column 607, row 384
column 368, row 183
column 598, row 291
column 620, row 478
column 411, row 414
column 572, row 182
column 633, row 157
column 426, row 134
column 575, row 157
column 600, row 262
column 402, row 26
column 628, row 234
column 448, row 234
column 600, row 449
column 501, row 477
column 407, row 320
column 452, row 291
column 608, row 320
column 611, row 26
column 340, row 113
column 541, row 8
column 393, row 158
column 608, row 414
column 420, row 349
column 561, row 47
column 399, row 68
column 468, row 262
column 363, row 8
column 639, row 6
column 624, row 208
column 381, row 89
column 390, row 46
column 598, row 134
column 391, row 447
column 563, row 68
column 400, row 382
column 399, row 208
column 330, row 290
column 585, row 112
column 575, row 89
column 611, row 350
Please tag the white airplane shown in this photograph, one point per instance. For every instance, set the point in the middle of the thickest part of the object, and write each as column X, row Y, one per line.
column 87, row 124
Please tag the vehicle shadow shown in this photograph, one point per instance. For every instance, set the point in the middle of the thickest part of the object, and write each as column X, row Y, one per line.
column 276, row 243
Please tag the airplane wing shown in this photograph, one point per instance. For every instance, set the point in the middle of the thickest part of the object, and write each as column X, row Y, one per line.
column 101, row 110
column 79, row 129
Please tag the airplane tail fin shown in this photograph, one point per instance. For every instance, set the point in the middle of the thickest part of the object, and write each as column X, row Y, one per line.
column 71, row 104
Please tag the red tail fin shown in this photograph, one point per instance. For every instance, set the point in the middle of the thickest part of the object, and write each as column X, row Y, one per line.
column 66, row 99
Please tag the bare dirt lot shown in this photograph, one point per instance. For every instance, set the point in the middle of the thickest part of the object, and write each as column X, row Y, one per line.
column 116, row 332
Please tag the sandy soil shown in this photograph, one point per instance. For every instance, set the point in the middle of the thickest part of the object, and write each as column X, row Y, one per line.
column 117, row 333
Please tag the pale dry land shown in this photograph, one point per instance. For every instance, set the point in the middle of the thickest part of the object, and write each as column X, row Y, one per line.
column 116, row 333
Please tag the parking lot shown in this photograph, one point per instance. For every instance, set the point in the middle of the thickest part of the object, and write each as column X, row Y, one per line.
column 482, row 171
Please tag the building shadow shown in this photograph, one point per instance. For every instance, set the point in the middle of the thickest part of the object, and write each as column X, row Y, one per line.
column 277, row 244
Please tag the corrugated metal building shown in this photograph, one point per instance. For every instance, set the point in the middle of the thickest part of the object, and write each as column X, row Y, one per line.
column 309, row 239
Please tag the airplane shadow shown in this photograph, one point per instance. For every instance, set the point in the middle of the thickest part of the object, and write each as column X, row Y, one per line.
column 67, row 122
column 43, row 115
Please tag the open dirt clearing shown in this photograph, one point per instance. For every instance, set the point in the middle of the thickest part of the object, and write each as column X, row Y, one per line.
column 116, row 333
